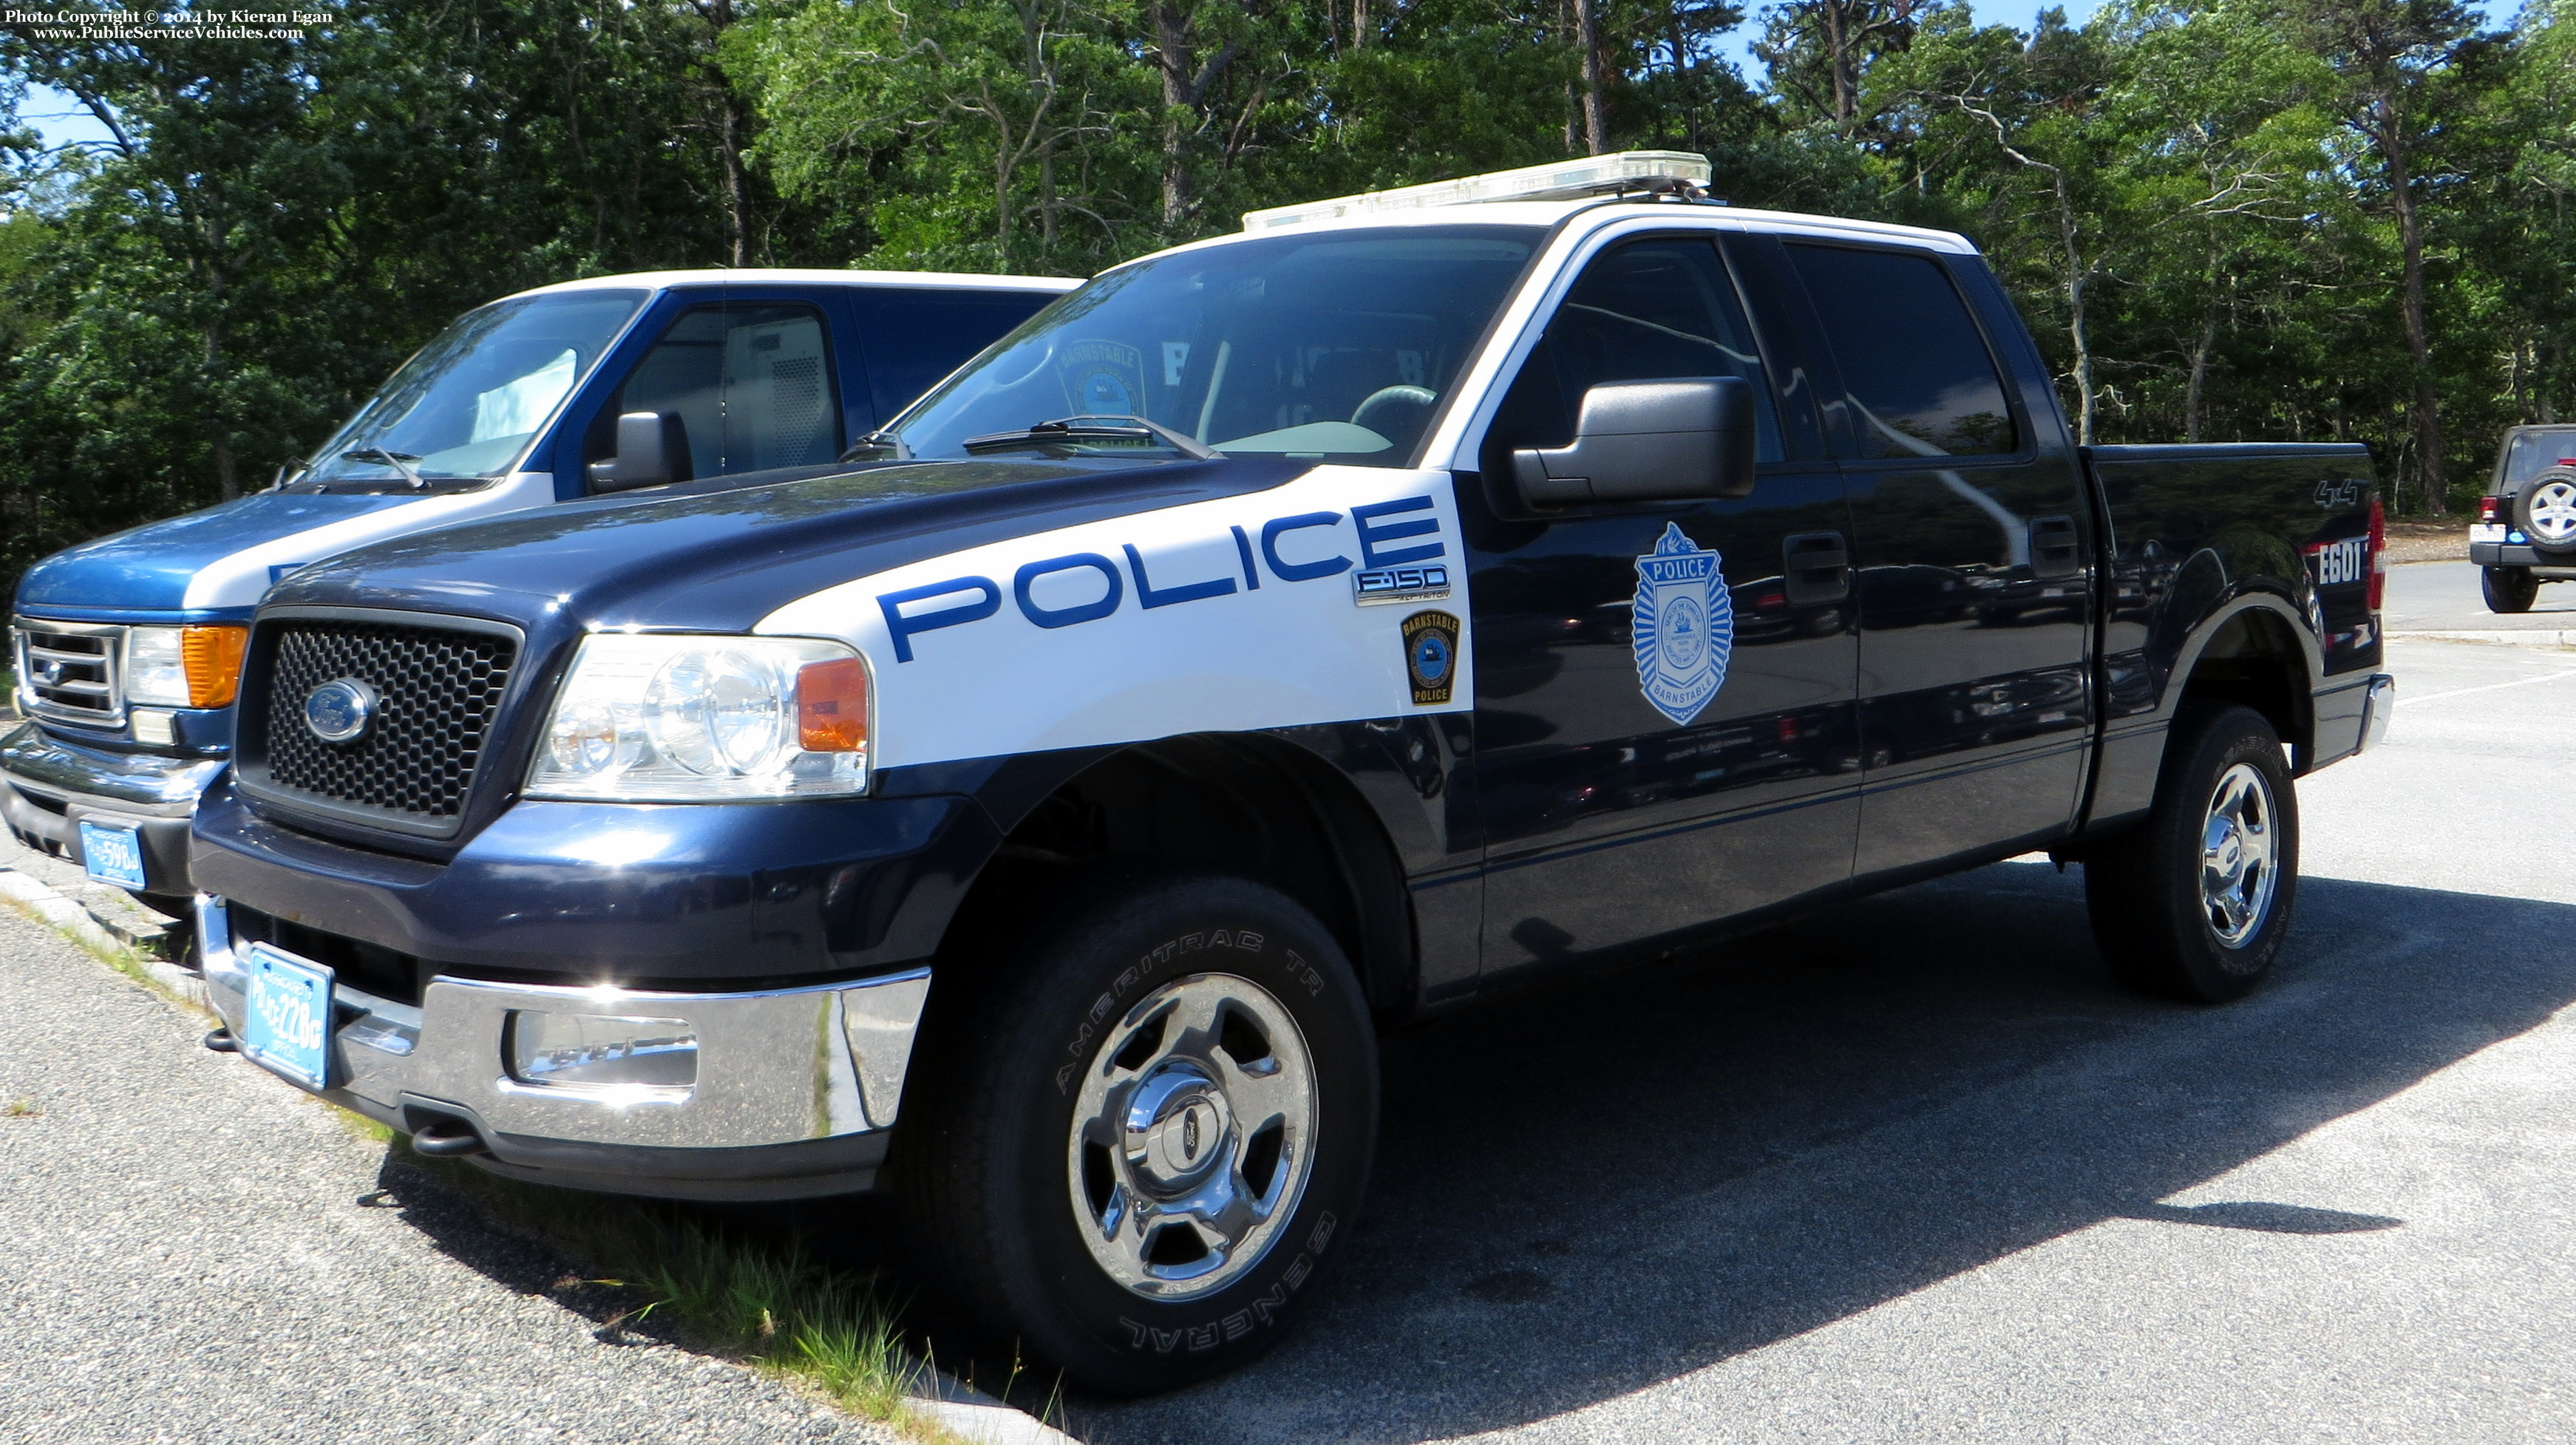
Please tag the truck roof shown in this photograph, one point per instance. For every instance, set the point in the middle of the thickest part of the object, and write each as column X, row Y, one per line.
column 780, row 275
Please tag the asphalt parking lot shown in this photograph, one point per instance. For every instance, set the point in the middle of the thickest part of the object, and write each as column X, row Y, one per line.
column 1913, row 1172
column 2444, row 597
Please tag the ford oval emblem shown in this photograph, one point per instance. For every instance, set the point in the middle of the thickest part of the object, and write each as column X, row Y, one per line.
column 339, row 710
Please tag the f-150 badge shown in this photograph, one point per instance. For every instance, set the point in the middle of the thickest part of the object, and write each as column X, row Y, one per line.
column 1683, row 623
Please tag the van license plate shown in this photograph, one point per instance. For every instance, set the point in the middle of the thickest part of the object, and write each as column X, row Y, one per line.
column 112, row 854
column 286, row 1015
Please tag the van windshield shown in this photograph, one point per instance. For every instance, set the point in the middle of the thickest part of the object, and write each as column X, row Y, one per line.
column 1336, row 346
column 2532, row 452
column 469, row 403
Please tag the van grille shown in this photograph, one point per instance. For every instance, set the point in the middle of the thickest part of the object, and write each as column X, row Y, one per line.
column 68, row 672
column 437, row 689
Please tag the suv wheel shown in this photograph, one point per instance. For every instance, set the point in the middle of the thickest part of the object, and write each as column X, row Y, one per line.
column 2546, row 510
column 2194, row 903
column 2508, row 589
column 1143, row 1134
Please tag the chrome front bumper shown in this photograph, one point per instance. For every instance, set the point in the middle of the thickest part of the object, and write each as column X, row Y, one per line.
column 795, row 1088
column 47, row 787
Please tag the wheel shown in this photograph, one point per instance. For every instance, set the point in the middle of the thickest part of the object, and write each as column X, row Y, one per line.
column 2546, row 510
column 2508, row 589
column 2194, row 903
column 1143, row 1128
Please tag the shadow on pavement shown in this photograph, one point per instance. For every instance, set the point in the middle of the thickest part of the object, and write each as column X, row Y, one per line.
column 1586, row 1190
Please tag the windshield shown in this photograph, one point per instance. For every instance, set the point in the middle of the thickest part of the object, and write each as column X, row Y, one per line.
column 470, row 402
column 1337, row 347
column 2533, row 452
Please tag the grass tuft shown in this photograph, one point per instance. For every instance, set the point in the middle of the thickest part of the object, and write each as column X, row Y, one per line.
column 23, row 1107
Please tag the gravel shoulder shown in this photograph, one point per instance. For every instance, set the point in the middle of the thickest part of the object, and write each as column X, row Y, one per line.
column 195, row 1252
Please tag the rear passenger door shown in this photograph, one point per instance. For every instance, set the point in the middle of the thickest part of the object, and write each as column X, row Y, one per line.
column 1974, row 545
column 1635, row 785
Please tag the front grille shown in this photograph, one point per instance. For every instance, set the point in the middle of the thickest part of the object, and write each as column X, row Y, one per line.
column 437, row 692
column 69, row 672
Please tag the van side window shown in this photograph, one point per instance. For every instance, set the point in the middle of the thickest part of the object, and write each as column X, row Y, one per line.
column 752, row 384
column 1920, row 378
column 1652, row 310
column 914, row 338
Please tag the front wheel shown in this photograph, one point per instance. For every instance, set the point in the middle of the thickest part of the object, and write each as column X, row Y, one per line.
column 1142, row 1130
column 2509, row 589
column 2195, row 902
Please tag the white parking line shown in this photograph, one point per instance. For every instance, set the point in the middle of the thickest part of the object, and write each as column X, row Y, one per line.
column 2488, row 687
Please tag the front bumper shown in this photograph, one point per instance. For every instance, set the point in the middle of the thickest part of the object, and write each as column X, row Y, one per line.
column 796, row 1087
column 48, row 786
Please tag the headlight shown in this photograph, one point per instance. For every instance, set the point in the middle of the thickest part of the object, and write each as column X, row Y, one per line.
column 184, row 666
column 690, row 719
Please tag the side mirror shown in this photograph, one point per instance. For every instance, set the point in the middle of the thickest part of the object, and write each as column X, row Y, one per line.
column 652, row 448
column 1648, row 441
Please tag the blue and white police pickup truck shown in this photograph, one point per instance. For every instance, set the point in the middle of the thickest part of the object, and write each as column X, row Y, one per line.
column 126, row 648
column 1280, row 636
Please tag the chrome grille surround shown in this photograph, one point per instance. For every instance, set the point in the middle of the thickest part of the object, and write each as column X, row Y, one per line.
column 87, row 658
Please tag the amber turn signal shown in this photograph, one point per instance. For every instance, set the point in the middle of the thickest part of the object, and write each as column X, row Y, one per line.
column 212, row 657
column 832, row 706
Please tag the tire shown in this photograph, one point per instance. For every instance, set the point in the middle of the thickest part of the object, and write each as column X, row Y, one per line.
column 1189, row 1005
column 2545, row 510
column 2167, row 921
column 2508, row 589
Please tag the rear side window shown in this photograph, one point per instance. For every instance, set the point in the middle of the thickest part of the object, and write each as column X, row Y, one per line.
column 751, row 384
column 915, row 338
column 1920, row 379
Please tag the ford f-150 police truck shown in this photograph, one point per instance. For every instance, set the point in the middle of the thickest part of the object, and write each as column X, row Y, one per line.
column 1279, row 636
column 126, row 648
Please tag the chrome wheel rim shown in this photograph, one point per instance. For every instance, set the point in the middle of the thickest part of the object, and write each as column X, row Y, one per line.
column 2553, row 512
column 2240, row 846
column 1192, row 1136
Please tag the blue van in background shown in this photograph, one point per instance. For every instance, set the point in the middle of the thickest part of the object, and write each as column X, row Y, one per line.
column 128, row 648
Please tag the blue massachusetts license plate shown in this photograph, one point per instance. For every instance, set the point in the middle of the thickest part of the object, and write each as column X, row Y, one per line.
column 112, row 854
column 286, row 1015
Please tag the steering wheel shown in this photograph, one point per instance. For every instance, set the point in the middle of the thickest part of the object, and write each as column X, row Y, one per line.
column 1396, row 412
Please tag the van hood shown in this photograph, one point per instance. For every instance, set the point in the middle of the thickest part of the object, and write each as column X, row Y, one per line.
column 144, row 573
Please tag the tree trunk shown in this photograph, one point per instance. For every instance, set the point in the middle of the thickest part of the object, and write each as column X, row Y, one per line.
column 2075, row 331
column 2419, row 342
column 2192, row 395
column 1587, row 27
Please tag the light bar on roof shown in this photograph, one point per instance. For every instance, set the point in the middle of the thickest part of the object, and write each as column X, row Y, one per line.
column 1555, row 181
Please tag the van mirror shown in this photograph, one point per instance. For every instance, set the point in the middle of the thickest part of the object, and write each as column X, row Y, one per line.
column 652, row 448
column 1682, row 440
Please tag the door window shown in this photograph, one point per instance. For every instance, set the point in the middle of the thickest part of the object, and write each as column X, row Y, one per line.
column 1921, row 381
column 1655, row 310
column 751, row 384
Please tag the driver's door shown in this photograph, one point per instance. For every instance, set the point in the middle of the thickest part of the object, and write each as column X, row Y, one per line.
column 1639, row 776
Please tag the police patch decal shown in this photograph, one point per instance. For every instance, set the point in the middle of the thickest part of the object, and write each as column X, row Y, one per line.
column 1684, row 625
column 1431, row 656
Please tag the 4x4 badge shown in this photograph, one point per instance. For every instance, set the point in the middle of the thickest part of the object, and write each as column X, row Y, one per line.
column 1431, row 656
column 1683, row 625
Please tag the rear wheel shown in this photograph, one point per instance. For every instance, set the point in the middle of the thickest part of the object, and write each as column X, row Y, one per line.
column 1137, row 1140
column 2194, row 903
column 2509, row 589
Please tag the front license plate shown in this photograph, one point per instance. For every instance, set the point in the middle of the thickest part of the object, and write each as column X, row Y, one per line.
column 286, row 1015
column 112, row 854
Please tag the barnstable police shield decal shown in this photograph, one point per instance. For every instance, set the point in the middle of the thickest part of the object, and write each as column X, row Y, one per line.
column 1431, row 656
column 1684, row 625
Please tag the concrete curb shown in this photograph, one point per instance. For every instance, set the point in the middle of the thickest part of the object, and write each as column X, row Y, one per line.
column 950, row 1403
column 2526, row 637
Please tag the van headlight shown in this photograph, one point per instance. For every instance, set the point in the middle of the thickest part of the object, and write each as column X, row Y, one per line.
column 675, row 719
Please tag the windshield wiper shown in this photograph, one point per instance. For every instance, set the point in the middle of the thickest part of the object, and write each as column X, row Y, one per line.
column 399, row 461
column 876, row 444
column 1094, row 428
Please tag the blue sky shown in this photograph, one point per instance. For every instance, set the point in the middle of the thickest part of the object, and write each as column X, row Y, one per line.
column 61, row 121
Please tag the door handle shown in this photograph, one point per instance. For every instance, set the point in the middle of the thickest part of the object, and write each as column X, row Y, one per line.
column 1815, row 568
column 2055, row 550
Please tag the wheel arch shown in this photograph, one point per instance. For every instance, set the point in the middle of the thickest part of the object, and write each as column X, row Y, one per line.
column 1250, row 804
column 2259, row 653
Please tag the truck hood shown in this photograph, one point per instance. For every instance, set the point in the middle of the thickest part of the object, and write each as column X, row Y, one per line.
column 148, row 568
column 722, row 561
